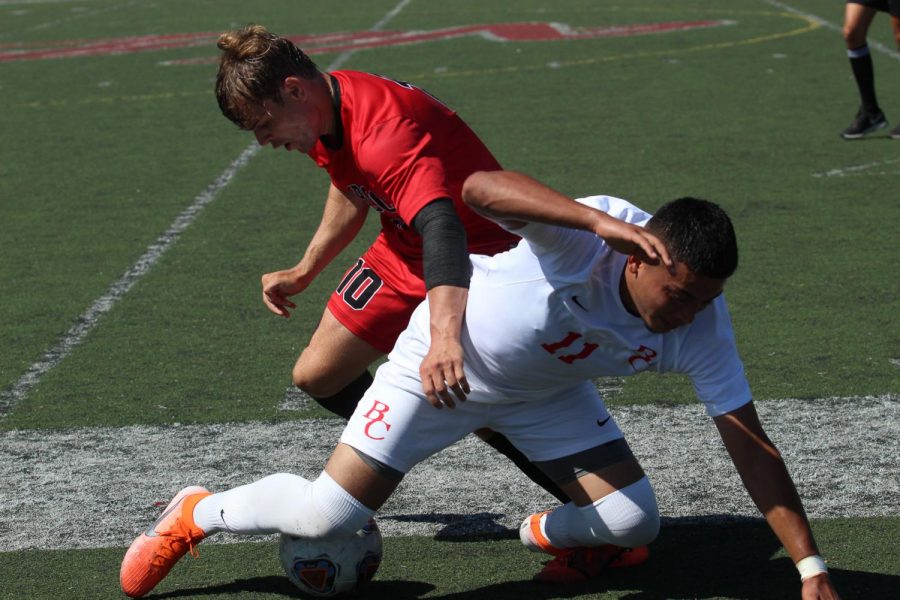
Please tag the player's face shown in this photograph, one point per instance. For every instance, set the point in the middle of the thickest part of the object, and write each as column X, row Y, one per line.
column 666, row 300
column 296, row 123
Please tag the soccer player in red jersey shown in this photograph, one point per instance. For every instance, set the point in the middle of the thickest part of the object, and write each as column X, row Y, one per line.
column 393, row 148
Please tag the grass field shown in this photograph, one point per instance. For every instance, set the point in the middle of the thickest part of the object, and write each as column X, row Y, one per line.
column 135, row 222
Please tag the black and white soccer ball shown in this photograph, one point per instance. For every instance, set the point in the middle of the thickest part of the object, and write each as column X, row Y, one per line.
column 332, row 566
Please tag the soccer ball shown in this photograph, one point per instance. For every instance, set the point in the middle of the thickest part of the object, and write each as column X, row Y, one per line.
column 332, row 566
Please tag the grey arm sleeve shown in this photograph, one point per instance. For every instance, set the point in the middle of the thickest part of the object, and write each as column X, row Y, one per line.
column 445, row 255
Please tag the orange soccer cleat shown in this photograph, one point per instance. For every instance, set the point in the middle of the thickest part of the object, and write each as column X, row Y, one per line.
column 580, row 564
column 153, row 554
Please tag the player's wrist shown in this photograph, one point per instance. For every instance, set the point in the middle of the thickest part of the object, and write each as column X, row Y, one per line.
column 811, row 566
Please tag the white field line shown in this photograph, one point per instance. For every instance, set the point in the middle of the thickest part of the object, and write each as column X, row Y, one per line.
column 86, row 322
column 98, row 487
column 834, row 27
column 75, row 13
column 27, row 2
column 865, row 169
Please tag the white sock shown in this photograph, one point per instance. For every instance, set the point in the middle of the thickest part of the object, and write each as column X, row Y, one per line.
column 283, row 503
column 628, row 517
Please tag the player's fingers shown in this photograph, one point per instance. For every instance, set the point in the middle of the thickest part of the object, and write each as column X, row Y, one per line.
column 460, row 385
column 279, row 309
column 279, row 301
column 447, row 398
column 647, row 248
column 435, row 402
column 272, row 306
column 430, row 395
column 461, row 377
column 442, row 391
column 458, row 392
column 660, row 249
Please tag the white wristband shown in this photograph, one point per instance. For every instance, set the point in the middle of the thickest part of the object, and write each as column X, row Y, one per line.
column 811, row 566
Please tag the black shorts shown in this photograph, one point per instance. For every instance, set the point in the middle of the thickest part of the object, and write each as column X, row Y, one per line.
column 569, row 468
column 888, row 6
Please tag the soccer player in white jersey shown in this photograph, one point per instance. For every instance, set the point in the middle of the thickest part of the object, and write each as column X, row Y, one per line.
column 544, row 319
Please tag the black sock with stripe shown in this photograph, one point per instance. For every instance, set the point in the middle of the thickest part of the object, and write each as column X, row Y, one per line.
column 864, row 73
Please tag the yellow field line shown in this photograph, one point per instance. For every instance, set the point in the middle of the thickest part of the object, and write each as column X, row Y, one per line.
column 810, row 25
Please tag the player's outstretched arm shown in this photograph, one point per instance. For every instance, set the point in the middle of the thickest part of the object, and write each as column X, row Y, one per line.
column 514, row 199
column 770, row 485
column 342, row 219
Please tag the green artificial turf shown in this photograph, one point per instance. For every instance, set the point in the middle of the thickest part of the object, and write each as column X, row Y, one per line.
column 736, row 561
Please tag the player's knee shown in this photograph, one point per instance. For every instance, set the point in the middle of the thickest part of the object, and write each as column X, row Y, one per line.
column 854, row 36
column 628, row 517
column 314, row 382
column 640, row 532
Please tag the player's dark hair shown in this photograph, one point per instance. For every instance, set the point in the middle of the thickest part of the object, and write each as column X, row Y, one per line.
column 699, row 234
column 253, row 65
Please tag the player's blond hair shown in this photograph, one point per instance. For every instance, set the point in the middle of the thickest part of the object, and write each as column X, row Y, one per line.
column 253, row 65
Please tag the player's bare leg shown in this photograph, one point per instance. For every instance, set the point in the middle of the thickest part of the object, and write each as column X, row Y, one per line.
column 359, row 479
column 333, row 367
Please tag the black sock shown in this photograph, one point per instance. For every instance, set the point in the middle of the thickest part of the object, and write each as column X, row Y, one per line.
column 502, row 445
column 864, row 73
column 344, row 402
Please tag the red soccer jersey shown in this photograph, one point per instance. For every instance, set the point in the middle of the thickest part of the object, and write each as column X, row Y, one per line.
column 401, row 149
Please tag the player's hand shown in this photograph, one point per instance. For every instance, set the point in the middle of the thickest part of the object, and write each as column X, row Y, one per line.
column 278, row 286
column 631, row 239
column 819, row 588
column 442, row 373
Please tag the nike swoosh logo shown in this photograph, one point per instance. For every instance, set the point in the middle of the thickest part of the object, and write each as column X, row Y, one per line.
column 575, row 300
column 603, row 422
column 152, row 531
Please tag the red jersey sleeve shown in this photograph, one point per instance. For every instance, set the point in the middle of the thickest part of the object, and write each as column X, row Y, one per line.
column 399, row 154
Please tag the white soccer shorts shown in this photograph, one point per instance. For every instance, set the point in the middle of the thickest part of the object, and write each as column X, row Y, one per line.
column 397, row 426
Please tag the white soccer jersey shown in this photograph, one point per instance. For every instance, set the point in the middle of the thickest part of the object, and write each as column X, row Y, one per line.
column 547, row 315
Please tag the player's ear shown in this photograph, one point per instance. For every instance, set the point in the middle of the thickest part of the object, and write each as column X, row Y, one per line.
column 293, row 89
column 633, row 264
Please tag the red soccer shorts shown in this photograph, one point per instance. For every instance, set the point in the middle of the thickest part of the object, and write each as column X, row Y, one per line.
column 370, row 308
